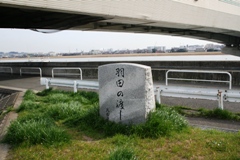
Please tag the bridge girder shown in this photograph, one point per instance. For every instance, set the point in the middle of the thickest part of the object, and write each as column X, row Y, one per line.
column 25, row 18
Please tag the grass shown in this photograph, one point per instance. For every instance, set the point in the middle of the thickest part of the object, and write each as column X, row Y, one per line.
column 122, row 154
column 71, row 128
column 202, row 112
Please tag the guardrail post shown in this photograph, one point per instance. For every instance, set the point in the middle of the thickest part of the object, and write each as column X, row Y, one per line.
column 75, row 86
column 167, row 77
column 20, row 71
column 220, row 99
column 47, row 83
column 158, row 98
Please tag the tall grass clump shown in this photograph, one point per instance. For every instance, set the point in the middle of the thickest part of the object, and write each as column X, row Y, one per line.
column 45, row 92
column 162, row 122
column 37, row 130
column 62, row 111
column 29, row 95
column 28, row 105
column 92, row 121
column 91, row 96
column 219, row 113
column 122, row 154
column 57, row 98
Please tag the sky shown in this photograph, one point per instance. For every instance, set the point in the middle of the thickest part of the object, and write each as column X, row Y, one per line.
column 76, row 41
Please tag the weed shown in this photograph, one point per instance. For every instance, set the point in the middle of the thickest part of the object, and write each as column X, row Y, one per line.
column 91, row 96
column 219, row 113
column 122, row 154
column 63, row 111
column 217, row 145
column 121, row 140
column 35, row 131
column 41, row 120
column 91, row 120
column 28, row 105
column 29, row 95
column 161, row 123
column 45, row 92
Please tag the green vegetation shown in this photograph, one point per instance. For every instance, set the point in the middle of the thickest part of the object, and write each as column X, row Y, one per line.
column 202, row 112
column 55, row 124
column 220, row 114
column 122, row 154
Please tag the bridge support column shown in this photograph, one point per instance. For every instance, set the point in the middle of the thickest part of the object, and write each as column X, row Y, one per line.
column 232, row 50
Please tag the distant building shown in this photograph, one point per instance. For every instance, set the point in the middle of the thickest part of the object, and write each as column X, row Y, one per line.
column 195, row 48
column 94, row 52
column 156, row 49
column 175, row 49
column 52, row 53
column 213, row 47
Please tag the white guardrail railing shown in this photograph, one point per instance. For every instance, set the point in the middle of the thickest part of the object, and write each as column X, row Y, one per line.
column 160, row 91
column 200, row 80
column 67, row 74
column 26, row 70
column 197, row 93
column 6, row 70
column 75, row 84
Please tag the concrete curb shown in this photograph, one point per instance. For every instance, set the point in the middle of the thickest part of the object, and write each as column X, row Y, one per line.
column 4, row 148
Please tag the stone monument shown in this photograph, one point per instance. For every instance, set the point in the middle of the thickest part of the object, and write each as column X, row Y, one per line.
column 126, row 92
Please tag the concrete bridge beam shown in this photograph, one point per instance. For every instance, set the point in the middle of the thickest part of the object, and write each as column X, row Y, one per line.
column 234, row 50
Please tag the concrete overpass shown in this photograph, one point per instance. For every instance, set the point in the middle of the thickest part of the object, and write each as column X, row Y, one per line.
column 215, row 20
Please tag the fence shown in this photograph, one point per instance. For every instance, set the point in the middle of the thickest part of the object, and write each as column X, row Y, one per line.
column 198, row 93
column 160, row 91
column 6, row 70
column 26, row 70
column 83, row 84
column 201, row 80
column 68, row 74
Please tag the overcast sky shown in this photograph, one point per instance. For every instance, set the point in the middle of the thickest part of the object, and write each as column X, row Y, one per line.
column 76, row 41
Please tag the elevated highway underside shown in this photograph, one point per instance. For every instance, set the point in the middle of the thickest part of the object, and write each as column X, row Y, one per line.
column 215, row 20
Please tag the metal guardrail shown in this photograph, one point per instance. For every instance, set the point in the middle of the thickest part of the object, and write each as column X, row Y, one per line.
column 30, row 68
column 67, row 74
column 75, row 84
column 6, row 68
column 160, row 91
column 200, row 80
column 197, row 93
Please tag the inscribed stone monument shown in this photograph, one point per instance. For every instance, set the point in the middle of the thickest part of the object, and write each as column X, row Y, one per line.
column 126, row 92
